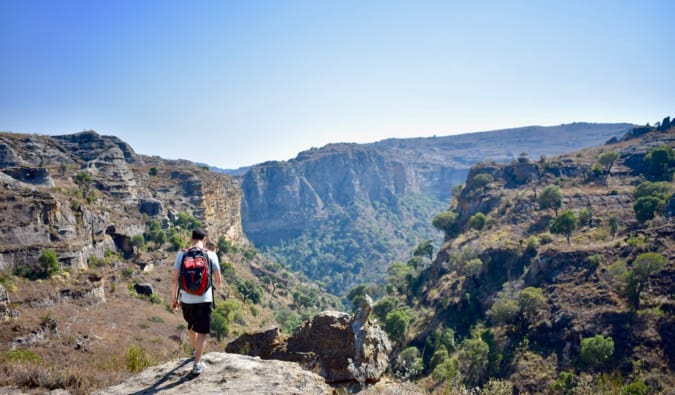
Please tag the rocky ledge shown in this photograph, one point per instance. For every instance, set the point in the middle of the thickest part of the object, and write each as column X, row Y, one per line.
column 224, row 374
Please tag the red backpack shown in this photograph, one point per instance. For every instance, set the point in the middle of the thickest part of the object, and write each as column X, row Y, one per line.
column 195, row 271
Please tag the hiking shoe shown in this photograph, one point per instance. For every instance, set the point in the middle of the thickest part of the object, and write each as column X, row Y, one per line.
column 198, row 368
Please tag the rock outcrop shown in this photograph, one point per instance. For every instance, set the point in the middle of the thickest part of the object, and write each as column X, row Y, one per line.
column 84, row 194
column 224, row 374
column 335, row 345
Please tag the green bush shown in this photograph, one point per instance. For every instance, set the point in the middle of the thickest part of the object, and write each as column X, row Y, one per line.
column 550, row 197
column 446, row 221
column 565, row 384
column 396, row 324
column 473, row 360
column 648, row 207
column 477, row 221
column 660, row 163
column 503, row 310
column 596, row 350
column 532, row 300
column 584, row 218
column 445, row 371
column 637, row 387
column 49, row 263
column 564, row 224
column 137, row 359
column 473, row 267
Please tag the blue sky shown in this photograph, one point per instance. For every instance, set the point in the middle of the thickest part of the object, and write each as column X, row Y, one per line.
column 234, row 83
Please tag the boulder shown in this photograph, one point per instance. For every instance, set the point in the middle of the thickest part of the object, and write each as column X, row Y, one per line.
column 224, row 374
column 144, row 289
column 333, row 344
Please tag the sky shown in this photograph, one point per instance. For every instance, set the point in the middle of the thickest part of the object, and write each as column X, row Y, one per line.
column 235, row 83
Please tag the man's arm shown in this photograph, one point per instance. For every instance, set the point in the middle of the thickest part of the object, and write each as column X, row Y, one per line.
column 174, row 287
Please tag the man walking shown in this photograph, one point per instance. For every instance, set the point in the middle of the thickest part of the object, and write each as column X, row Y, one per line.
column 196, row 298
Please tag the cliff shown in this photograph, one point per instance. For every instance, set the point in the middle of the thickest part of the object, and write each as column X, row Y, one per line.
column 84, row 194
column 342, row 213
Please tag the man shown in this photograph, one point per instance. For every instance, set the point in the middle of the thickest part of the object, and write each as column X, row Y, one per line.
column 197, row 308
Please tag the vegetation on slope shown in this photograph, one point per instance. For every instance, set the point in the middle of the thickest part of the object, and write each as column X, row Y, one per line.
column 564, row 287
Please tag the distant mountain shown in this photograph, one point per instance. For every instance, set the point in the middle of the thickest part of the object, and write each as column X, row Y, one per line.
column 343, row 213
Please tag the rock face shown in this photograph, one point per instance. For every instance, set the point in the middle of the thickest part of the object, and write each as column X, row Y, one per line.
column 345, row 186
column 224, row 374
column 335, row 345
column 84, row 194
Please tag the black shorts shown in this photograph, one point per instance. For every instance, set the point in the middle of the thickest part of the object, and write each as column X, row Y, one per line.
column 198, row 316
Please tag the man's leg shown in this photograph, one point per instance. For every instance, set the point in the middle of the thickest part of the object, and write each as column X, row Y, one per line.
column 200, row 340
column 192, row 335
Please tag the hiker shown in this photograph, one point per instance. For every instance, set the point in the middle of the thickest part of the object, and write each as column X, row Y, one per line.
column 195, row 291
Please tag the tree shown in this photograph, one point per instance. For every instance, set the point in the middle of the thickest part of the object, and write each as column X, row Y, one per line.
column 613, row 225
column 647, row 207
column 565, row 224
column 482, row 180
column 532, row 300
column 446, row 221
column 473, row 360
column 473, row 267
column 477, row 221
column 396, row 324
column 424, row 249
column 660, row 163
column 550, row 197
column 249, row 290
column 357, row 295
column 607, row 159
column 503, row 310
column 596, row 350
column 634, row 280
column 659, row 189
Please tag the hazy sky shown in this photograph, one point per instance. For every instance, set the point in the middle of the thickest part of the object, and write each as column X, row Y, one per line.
column 234, row 83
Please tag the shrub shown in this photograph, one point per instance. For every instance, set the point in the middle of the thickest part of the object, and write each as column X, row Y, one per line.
column 532, row 300
column 584, row 217
column 594, row 261
column 596, row 350
column 660, row 190
column 473, row 267
column 637, row 387
column 409, row 362
column 503, row 310
column 660, row 163
column 532, row 244
column 477, row 221
column 647, row 207
column 396, row 324
column 446, row 370
column 137, row 359
column 482, row 180
column 565, row 384
column 49, row 263
column 446, row 221
column 473, row 360
column 545, row 238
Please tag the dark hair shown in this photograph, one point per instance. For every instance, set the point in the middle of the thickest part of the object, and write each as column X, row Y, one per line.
column 199, row 234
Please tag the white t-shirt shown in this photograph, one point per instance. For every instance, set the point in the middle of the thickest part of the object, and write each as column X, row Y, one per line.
column 206, row 297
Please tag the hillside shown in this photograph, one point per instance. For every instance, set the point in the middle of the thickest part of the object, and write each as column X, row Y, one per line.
column 340, row 214
column 88, row 237
column 556, row 276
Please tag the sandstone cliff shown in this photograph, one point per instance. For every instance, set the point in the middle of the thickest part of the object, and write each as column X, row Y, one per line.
column 84, row 194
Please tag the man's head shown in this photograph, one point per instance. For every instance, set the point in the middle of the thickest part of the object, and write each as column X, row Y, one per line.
column 199, row 234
